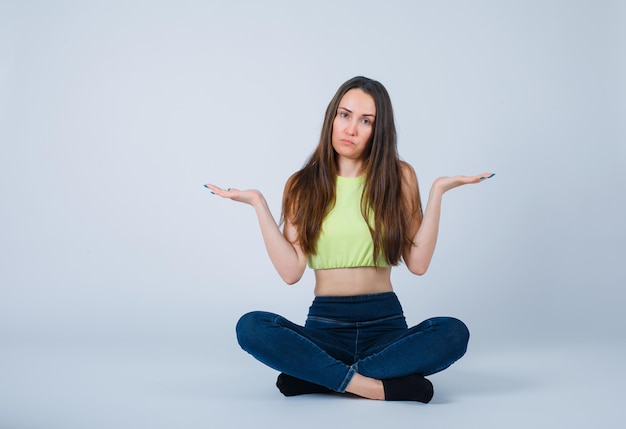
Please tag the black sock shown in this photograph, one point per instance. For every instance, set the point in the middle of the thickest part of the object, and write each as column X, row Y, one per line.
column 292, row 386
column 412, row 387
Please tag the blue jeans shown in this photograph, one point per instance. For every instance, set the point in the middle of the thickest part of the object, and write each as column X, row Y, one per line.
column 367, row 334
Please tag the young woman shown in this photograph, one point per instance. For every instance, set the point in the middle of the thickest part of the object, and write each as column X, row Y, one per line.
column 352, row 212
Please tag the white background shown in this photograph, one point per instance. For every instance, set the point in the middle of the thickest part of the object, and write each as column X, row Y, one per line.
column 113, row 115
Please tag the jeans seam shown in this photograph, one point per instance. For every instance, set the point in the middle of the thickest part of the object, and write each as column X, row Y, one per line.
column 329, row 321
column 356, row 344
column 351, row 370
column 363, row 323
column 346, row 380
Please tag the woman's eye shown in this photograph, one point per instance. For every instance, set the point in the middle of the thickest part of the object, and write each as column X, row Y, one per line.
column 343, row 115
column 366, row 122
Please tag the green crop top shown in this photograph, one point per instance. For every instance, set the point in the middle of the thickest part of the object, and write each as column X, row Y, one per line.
column 345, row 240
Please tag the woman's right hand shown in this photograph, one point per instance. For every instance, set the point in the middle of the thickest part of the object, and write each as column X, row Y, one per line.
column 286, row 255
column 248, row 196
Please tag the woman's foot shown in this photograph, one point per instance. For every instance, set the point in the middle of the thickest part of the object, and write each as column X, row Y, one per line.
column 292, row 386
column 366, row 387
column 412, row 387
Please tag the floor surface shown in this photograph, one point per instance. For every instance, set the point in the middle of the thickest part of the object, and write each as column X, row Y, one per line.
column 183, row 385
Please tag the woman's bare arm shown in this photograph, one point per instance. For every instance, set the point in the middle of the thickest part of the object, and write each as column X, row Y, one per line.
column 417, row 257
column 286, row 255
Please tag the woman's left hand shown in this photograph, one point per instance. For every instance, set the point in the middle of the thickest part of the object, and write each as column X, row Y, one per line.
column 444, row 184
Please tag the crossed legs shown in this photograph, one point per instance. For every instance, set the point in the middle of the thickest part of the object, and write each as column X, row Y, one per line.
column 392, row 370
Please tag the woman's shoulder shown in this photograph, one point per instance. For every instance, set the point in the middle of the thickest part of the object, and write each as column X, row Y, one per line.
column 298, row 182
column 410, row 191
column 408, row 173
column 293, row 179
column 302, row 178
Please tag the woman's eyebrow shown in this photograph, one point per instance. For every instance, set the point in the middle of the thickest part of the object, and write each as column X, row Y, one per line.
column 350, row 111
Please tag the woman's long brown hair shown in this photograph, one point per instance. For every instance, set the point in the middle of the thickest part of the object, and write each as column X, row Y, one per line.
column 310, row 193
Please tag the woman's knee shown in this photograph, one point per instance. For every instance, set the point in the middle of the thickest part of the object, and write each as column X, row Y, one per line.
column 255, row 329
column 454, row 332
column 249, row 328
column 459, row 334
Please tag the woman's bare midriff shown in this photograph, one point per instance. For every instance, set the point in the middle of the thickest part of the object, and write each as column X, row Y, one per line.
column 352, row 281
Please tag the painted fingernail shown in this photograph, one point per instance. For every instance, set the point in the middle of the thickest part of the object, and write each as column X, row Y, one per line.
column 228, row 189
column 492, row 174
column 482, row 178
column 213, row 192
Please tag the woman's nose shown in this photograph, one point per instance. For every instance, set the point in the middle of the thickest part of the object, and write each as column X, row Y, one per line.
column 351, row 128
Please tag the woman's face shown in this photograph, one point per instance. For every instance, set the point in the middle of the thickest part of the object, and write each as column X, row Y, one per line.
column 353, row 124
